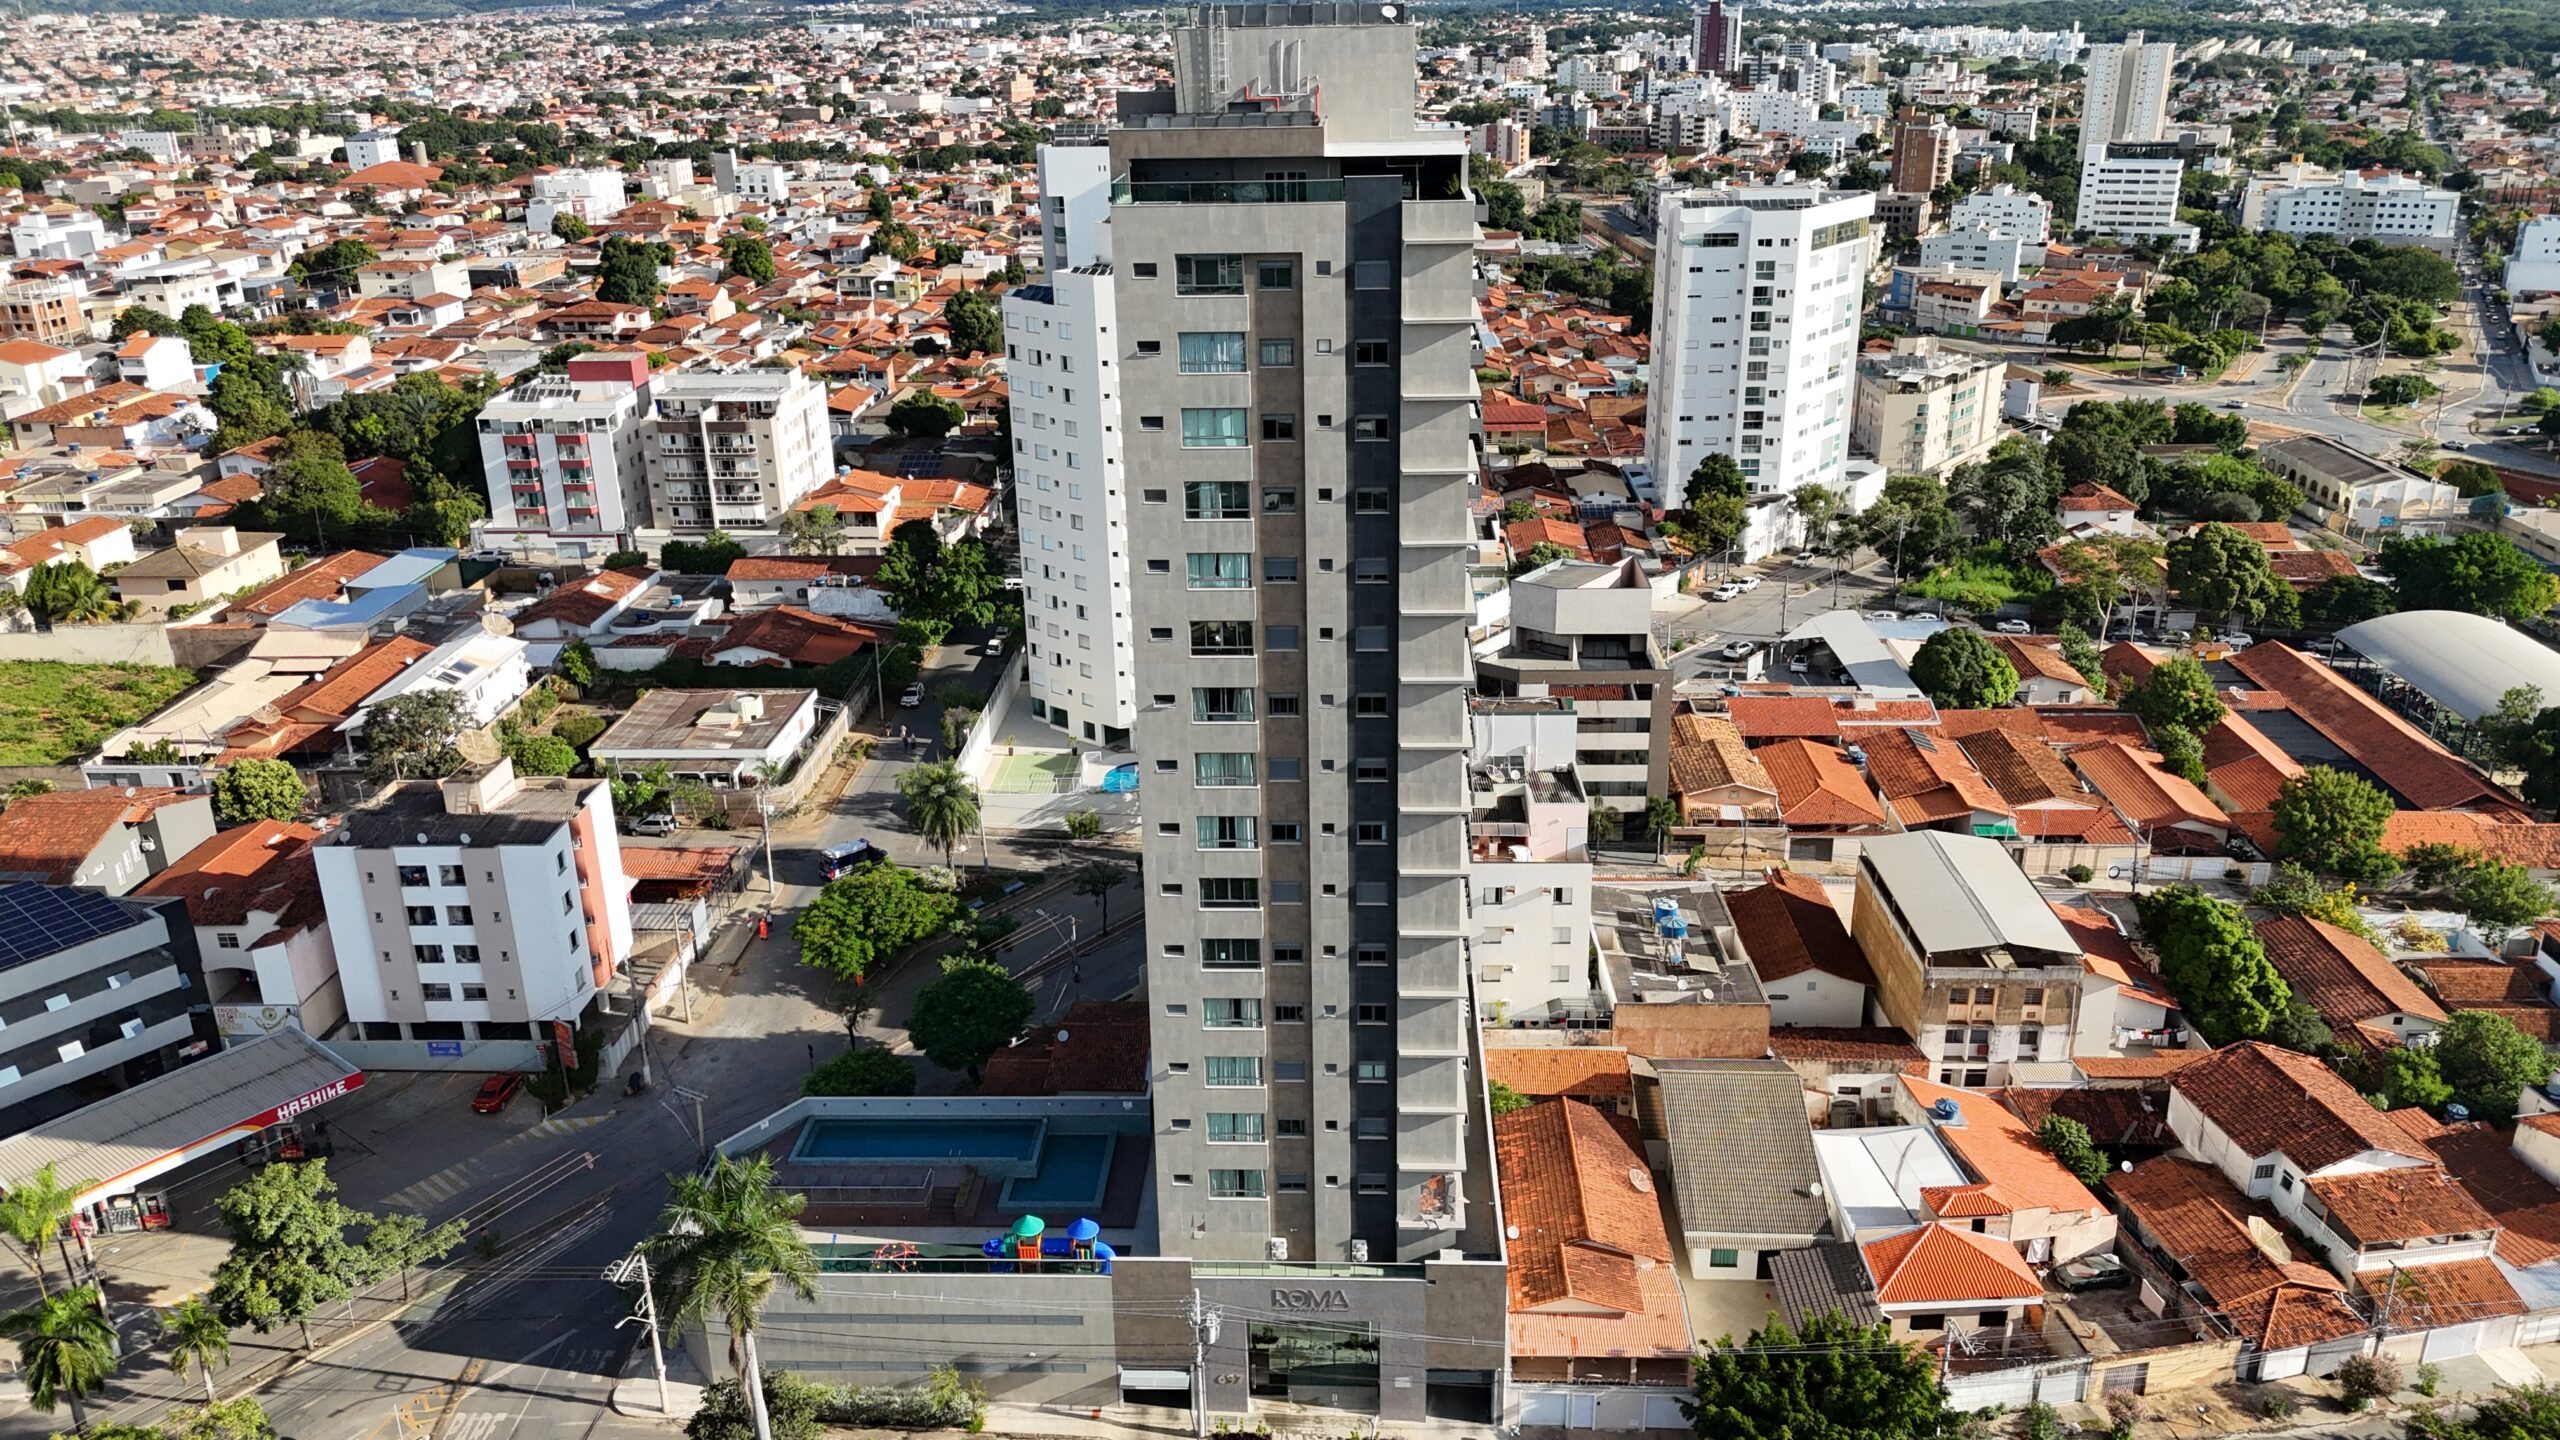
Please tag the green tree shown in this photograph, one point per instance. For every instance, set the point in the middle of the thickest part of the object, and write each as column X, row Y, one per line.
column 1911, row 525
column 135, row 320
column 627, row 271
column 66, row 1349
column 34, row 1211
column 862, row 1070
column 198, row 1340
column 1540, row 556
column 936, row 586
column 2181, row 753
column 816, row 530
column 941, row 804
column 67, row 592
column 2332, row 821
column 713, row 554
column 747, row 257
column 2007, row 497
column 1958, row 669
column 2211, row 960
column 2067, row 1140
column 249, row 790
column 540, row 754
column 2406, row 1075
column 921, row 414
column 291, row 1248
column 2487, row 1061
column 2176, row 692
column 310, row 491
column 2343, row 600
column 576, row 664
column 569, row 227
column 400, row 1242
column 1661, row 816
column 725, row 1241
column 2501, row 897
column 1098, row 878
column 1503, row 1100
column 2481, row 572
column 2083, row 655
column 867, row 916
column 976, row 325
column 1833, row 1380
column 2225, row 574
column 792, row 1410
column 1715, row 497
column 972, row 1010
column 2401, row 389
column 411, row 736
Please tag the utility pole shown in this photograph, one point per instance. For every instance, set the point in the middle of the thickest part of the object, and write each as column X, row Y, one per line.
column 623, row 1272
column 701, row 1138
column 1204, row 1333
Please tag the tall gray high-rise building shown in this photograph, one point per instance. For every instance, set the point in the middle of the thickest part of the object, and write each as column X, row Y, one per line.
column 1291, row 260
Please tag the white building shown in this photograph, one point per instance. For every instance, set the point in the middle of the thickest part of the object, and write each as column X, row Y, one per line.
column 1756, row 331
column 594, row 196
column 733, row 452
column 2007, row 209
column 1924, row 410
column 1071, row 492
column 565, row 457
column 1980, row 248
column 373, row 147
column 758, row 181
column 2126, row 94
column 2534, row 268
column 2303, row 199
column 477, row 907
column 490, row 672
column 57, row 232
column 1529, row 864
column 2130, row 191
column 725, row 739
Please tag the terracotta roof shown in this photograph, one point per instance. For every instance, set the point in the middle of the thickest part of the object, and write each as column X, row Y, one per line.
column 2464, row 983
column 2214, row 1232
column 1773, row 717
column 1997, row 1146
column 584, row 602
column 2532, row 844
column 1817, row 786
column 2144, row 793
column 2340, row 975
column 2528, row 1206
column 2450, row 1292
column 48, row 836
column 1929, row 1264
column 1593, row 1072
column 2023, row 768
column 338, row 691
column 677, row 864
column 263, row 867
column 2387, row 1206
column 1575, row 1187
column 2070, row 725
column 2268, row 1100
column 800, row 637
column 2089, row 495
column 2136, row 1067
column 1927, row 777
column 803, row 567
column 2035, row 656
column 1788, row 925
column 1707, row 754
column 1882, row 1046
column 2106, row 953
column 1099, row 1047
column 2423, row 773
column 2116, row 1115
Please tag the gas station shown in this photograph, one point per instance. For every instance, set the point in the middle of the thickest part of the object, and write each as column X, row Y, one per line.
column 247, row 1104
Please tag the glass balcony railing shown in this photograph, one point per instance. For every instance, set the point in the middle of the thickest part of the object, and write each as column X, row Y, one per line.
column 1125, row 191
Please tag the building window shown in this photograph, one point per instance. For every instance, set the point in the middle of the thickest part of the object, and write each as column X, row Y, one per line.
column 1371, row 352
column 1282, row 705
column 1219, row 570
column 227, row 940
column 1371, row 275
column 1231, row 1013
column 421, row 914
column 1370, row 1072
column 1279, row 428
column 452, row 874
column 1235, row 1127
column 427, row 954
column 413, row 874
column 1222, row 767
column 1208, row 274
column 1280, row 569
column 1228, row 832
column 1276, row 275
column 1279, row 354
column 1235, row 1185
column 1230, row 953
column 435, row 992
column 1221, row 704
column 1217, row 500
column 1230, row 1072
column 1368, row 427
column 457, row 914
column 1724, row 1259
column 1229, row 892
column 1212, row 352
column 1213, row 428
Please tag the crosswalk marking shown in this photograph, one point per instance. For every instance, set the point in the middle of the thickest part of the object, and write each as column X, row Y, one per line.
column 454, row 1179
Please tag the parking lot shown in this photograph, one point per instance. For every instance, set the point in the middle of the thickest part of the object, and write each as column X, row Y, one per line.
column 1789, row 593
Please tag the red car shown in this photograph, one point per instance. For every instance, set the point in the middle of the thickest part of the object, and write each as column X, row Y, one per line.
column 495, row 1092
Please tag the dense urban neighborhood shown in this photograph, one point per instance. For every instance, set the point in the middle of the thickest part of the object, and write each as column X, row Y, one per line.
column 1814, row 720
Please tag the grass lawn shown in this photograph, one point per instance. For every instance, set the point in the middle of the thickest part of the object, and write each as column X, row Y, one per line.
column 53, row 712
column 1981, row 581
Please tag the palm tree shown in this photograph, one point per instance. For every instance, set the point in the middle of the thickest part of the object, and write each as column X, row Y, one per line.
column 726, row 1238
column 1660, row 814
column 66, row 590
column 1098, row 878
column 941, row 804
column 65, row 1349
column 33, row 1213
column 197, row 1340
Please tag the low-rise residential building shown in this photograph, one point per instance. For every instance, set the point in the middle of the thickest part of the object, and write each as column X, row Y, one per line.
column 1742, row 1171
column 2016, row 1191
column 2270, row 1119
column 2367, row 1003
column 201, row 564
column 2217, row 1257
column 253, row 895
column 489, row 671
column 732, row 452
column 98, row 993
column 1529, row 864
column 726, row 739
column 109, row 839
column 475, row 908
column 1924, row 410
column 1811, row 971
column 1970, row 959
column 34, row 375
column 2346, row 489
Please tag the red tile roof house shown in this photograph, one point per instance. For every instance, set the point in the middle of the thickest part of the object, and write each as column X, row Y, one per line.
column 2172, row 816
column 2017, row 1192
column 111, row 839
column 253, row 895
column 2368, row 1004
column 1594, row 1298
column 1812, row 971
column 1823, row 801
column 2183, row 1222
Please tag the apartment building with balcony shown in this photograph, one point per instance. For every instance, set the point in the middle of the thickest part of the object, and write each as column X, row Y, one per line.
column 1924, row 410
column 1969, row 958
column 475, row 908
column 1528, row 866
column 566, row 457
column 48, row 311
column 2303, row 199
column 1581, row 641
column 734, row 451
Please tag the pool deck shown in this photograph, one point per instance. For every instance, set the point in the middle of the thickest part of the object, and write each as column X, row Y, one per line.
column 946, row 1194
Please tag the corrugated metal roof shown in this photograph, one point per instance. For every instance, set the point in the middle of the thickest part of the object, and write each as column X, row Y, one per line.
column 1963, row 892
column 2462, row 661
column 98, row 1144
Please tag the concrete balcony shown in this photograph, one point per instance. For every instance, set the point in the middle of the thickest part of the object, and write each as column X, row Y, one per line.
column 1432, row 780
column 1440, row 222
column 1433, row 649
column 1432, row 845
column 1431, row 904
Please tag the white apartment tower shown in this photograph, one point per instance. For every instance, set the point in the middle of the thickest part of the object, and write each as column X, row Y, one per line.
column 565, row 460
column 733, row 452
column 1756, row 298
column 1062, row 342
column 2126, row 94
column 2303, row 199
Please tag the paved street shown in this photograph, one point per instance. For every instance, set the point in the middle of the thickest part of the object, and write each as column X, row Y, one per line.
column 1789, row 595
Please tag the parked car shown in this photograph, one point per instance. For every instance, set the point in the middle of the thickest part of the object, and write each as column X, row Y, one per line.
column 2457, row 444
column 1726, row 591
column 2237, row 641
column 1738, row 649
column 1745, row 583
column 2091, row 1272
column 494, row 557
column 843, row 860
column 495, row 1092
column 1883, row 615
column 660, row 823
column 912, row 696
column 2014, row 627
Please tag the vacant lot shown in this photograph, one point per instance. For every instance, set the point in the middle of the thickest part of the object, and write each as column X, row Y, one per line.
column 53, row 712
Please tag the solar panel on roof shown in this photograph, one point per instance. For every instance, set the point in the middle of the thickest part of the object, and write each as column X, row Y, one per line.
column 920, row 466
column 38, row 920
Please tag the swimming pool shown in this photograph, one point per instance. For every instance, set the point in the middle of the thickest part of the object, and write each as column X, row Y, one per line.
column 1073, row 1170
column 1009, row 1144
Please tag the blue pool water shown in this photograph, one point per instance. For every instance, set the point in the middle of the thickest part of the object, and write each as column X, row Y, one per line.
column 1072, row 1171
column 921, row 1141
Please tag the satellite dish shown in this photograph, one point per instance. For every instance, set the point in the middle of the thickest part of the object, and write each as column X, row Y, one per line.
column 1637, row 1177
column 2269, row 1240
